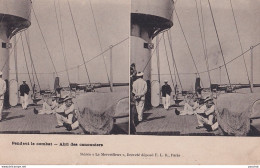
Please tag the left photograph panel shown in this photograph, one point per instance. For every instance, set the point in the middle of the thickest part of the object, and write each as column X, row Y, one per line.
column 64, row 67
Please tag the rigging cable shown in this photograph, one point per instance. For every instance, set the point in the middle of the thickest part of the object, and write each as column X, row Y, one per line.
column 92, row 11
column 204, row 50
column 31, row 61
column 30, row 54
column 168, row 59
column 60, row 36
column 95, row 56
column 78, row 41
column 188, row 45
column 239, row 39
column 26, row 61
column 174, row 62
column 220, row 65
column 158, row 60
column 219, row 43
column 44, row 41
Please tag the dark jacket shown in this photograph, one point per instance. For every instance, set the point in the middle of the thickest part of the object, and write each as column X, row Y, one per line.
column 24, row 88
column 166, row 89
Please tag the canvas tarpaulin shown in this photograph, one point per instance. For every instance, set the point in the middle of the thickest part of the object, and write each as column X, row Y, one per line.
column 98, row 110
column 234, row 111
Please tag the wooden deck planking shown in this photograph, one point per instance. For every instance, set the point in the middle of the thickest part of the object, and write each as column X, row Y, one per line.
column 166, row 122
column 17, row 120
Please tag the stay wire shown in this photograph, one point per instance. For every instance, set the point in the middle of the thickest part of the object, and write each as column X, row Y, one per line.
column 49, row 53
column 30, row 54
column 239, row 39
column 168, row 60
column 26, row 61
column 188, row 45
column 95, row 56
column 174, row 62
column 203, row 47
column 82, row 55
column 219, row 42
column 100, row 45
column 60, row 36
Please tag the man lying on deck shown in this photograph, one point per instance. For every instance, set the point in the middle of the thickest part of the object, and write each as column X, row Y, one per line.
column 190, row 107
column 48, row 108
column 66, row 115
column 206, row 115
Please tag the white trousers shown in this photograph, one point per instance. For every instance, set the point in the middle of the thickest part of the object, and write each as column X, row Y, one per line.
column 188, row 110
column 24, row 100
column 207, row 120
column 166, row 101
column 140, row 108
column 46, row 109
column 1, row 108
column 61, row 119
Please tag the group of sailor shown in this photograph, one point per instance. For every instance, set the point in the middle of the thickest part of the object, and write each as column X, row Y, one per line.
column 205, row 111
column 62, row 107
column 138, row 88
column 64, row 110
column 203, row 108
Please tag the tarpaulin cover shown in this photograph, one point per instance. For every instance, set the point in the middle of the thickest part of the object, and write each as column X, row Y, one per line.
column 234, row 111
column 97, row 110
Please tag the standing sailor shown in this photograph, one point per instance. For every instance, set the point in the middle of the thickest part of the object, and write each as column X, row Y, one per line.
column 24, row 92
column 166, row 95
column 139, row 91
column 2, row 92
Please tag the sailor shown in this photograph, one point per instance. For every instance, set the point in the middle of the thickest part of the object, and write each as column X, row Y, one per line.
column 206, row 114
column 132, row 75
column 48, row 108
column 166, row 95
column 190, row 106
column 66, row 116
column 2, row 92
column 139, row 91
column 24, row 92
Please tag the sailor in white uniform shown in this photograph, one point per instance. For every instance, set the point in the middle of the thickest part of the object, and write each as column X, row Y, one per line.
column 66, row 116
column 139, row 91
column 2, row 92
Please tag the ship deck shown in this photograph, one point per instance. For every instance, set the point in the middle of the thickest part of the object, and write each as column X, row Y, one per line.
column 159, row 121
column 18, row 121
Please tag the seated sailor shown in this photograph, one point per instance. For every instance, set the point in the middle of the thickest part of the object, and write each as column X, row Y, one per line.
column 48, row 108
column 66, row 115
column 206, row 115
column 190, row 106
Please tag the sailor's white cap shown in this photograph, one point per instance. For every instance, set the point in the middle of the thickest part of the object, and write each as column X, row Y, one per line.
column 165, row 81
column 140, row 74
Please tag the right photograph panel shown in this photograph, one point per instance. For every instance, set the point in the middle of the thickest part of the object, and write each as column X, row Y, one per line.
column 193, row 68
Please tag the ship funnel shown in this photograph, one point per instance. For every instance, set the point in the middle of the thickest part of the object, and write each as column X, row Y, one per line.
column 15, row 15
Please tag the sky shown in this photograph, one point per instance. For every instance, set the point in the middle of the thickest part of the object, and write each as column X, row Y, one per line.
column 112, row 19
column 247, row 16
column 113, row 24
